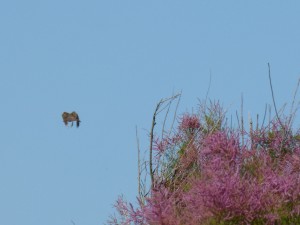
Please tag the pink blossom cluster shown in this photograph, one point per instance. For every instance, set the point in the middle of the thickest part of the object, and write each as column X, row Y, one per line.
column 189, row 122
column 224, row 182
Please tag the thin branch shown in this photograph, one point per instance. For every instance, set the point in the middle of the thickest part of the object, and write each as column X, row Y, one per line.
column 207, row 92
column 139, row 162
column 242, row 119
column 238, row 119
column 266, row 109
column 269, row 124
column 162, row 109
column 175, row 113
column 165, row 119
column 220, row 119
column 295, row 93
column 250, row 124
column 273, row 98
column 285, row 131
column 162, row 101
column 151, row 143
column 201, row 105
column 293, row 112
column 257, row 125
column 156, row 112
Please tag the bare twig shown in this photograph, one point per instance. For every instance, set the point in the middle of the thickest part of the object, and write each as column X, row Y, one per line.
column 221, row 117
column 238, row 119
column 295, row 93
column 293, row 111
column 156, row 112
column 165, row 119
column 201, row 105
column 284, row 129
column 250, row 124
column 257, row 125
column 207, row 92
column 151, row 143
column 266, row 109
column 270, row 110
column 273, row 98
column 242, row 119
column 139, row 162
column 175, row 113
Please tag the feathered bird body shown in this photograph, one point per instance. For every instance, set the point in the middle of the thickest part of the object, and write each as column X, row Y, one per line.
column 71, row 117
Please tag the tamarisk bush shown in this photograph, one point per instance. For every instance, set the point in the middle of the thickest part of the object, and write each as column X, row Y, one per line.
column 205, row 175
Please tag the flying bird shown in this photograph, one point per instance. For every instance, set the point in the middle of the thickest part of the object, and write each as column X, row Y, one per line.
column 71, row 117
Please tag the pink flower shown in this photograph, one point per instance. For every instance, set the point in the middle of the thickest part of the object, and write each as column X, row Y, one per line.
column 189, row 122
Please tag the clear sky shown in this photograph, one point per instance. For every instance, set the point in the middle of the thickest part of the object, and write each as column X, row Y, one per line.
column 112, row 61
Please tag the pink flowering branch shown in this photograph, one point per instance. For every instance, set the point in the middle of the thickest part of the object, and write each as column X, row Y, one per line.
column 204, row 173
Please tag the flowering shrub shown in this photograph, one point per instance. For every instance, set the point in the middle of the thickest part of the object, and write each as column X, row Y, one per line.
column 205, row 175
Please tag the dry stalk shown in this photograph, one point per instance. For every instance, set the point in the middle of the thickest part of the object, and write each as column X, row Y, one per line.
column 156, row 112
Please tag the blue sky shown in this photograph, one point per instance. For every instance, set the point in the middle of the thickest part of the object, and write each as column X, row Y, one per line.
column 112, row 61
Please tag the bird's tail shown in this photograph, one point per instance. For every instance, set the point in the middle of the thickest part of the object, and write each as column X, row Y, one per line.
column 78, row 121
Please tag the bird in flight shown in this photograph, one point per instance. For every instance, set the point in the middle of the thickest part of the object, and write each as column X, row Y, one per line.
column 71, row 117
